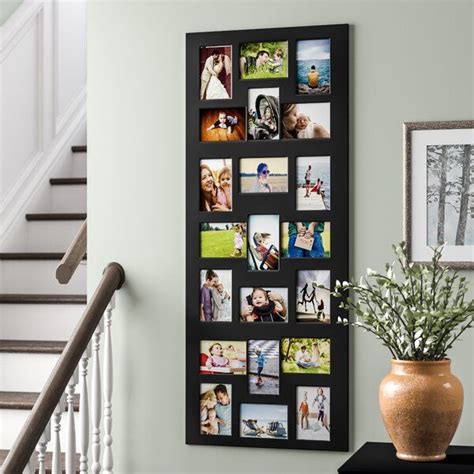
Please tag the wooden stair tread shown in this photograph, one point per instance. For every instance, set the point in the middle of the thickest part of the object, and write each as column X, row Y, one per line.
column 25, row 400
column 79, row 148
column 48, row 461
column 52, row 216
column 12, row 298
column 31, row 347
column 67, row 181
column 33, row 256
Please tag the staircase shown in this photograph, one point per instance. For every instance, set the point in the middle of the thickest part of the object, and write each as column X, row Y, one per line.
column 37, row 314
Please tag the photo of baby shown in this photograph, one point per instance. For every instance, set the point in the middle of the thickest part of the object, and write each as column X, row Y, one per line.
column 313, row 183
column 305, row 356
column 264, row 175
column 216, row 72
column 312, row 302
column 306, row 120
column 264, row 60
column 263, row 421
column 306, row 239
column 264, row 370
column 223, row 240
column 216, row 185
column 264, row 305
column 223, row 124
column 313, row 406
column 216, row 287
column 263, row 116
column 313, row 64
column 216, row 409
column 263, row 243
column 223, row 357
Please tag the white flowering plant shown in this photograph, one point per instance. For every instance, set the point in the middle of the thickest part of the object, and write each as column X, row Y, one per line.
column 417, row 318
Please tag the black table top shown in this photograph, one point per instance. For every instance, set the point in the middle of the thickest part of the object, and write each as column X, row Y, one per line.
column 380, row 457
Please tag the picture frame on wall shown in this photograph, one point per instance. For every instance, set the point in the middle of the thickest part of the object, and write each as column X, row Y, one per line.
column 267, row 236
column 439, row 191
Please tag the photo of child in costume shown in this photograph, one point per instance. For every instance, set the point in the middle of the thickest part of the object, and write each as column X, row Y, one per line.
column 264, row 305
column 264, row 370
column 216, row 288
column 263, row 60
column 227, row 124
column 216, row 185
column 263, row 114
column 216, row 409
column 313, row 413
column 263, row 245
column 223, row 357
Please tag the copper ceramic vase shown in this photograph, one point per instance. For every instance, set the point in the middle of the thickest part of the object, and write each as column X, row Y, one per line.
column 421, row 404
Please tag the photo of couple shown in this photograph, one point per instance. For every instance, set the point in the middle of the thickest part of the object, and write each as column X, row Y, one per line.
column 312, row 301
column 313, row 413
column 223, row 357
column 216, row 72
column 264, row 370
column 223, row 240
column 216, row 287
column 263, row 245
column 313, row 64
column 264, row 305
column 263, row 119
column 263, row 421
column 306, row 120
column 216, row 409
column 313, row 183
column 305, row 356
column 264, row 175
column 219, row 125
column 306, row 239
column 263, row 60
column 216, row 185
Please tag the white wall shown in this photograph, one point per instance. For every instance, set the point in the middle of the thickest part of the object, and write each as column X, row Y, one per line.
column 7, row 7
column 410, row 61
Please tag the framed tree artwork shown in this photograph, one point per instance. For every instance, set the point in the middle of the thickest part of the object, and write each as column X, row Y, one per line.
column 439, row 190
column 267, row 236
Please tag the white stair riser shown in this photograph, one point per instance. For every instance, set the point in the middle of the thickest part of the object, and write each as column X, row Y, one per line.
column 39, row 322
column 50, row 236
column 79, row 165
column 39, row 276
column 12, row 422
column 68, row 198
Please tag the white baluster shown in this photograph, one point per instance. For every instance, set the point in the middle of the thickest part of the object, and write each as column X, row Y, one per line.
column 84, row 412
column 56, row 467
column 107, row 460
column 96, row 394
column 71, row 429
column 41, row 448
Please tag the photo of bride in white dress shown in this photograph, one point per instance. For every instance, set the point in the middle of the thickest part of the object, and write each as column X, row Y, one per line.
column 216, row 73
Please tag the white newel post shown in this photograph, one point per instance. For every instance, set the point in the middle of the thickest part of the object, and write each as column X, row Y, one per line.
column 71, row 429
column 84, row 412
column 56, row 467
column 41, row 448
column 107, row 460
column 96, row 394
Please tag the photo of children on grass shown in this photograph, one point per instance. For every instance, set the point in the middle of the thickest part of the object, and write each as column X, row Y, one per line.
column 223, row 357
column 264, row 305
column 216, row 72
column 264, row 243
column 313, row 413
column 313, row 64
column 264, row 175
column 264, row 370
column 313, row 183
column 216, row 287
column 264, row 60
column 313, row 302
column 216, row 185
column 219, row 125
column 306, row 120
column 263, row 421
column 306, row 239
column 263, row 116
column 216, row 409
column 305, row 356
column 223, row 240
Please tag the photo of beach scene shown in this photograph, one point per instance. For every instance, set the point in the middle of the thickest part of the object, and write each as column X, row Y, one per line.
column 264, row 175
column 313, row 183
column 263, row 421
column 313, row 64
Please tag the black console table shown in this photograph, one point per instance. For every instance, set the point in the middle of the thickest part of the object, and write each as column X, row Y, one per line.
column 380, row 457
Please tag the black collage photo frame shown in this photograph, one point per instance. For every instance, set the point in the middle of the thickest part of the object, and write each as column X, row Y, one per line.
column 267, row 146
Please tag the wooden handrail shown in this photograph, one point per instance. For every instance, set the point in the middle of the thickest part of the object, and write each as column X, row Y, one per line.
column 112, row 279
column 73, row 256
